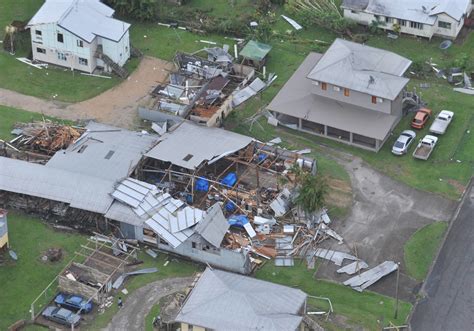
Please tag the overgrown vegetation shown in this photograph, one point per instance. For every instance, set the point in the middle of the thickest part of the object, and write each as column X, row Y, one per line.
column 142, row 10
column 421, row 249
column 312, row 192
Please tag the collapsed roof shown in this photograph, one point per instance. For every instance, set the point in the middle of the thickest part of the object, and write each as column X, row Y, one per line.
column 189, row 145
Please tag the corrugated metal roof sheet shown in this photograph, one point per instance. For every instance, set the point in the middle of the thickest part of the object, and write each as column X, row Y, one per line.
column 189, row 144
column 227, row 301
column 214, row 226
column 80, row 191
column 362, row 68
column 92, row 153
column 84, row 18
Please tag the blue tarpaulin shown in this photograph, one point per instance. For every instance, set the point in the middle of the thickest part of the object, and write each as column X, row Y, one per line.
column 202, row 185
column 230, row 179
column 238, row 220
column 230, row 206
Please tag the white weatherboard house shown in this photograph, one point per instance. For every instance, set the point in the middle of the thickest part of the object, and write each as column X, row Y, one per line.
column 423, row 18
column 79, row 34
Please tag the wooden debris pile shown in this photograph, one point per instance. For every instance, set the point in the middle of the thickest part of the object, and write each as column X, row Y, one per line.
column 45, row 137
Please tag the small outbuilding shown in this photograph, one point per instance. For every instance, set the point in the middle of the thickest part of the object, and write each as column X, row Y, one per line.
column 255, row 53
column 222, row 300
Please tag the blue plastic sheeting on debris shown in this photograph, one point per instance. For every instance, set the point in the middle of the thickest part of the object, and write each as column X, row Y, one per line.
column 262, row 157
column 238, row 220
column 230, row 179
column 230, row 206
column 202, row 185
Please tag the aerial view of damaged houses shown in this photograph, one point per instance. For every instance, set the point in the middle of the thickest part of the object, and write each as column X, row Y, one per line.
column 231, row 165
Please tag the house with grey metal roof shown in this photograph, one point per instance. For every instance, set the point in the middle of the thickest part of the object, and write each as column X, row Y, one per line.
column 225, row 301
column 423, row 18
column 80, row 35
column 353, row 94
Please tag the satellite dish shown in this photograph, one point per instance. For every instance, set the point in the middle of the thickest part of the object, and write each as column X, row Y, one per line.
column 445, row 44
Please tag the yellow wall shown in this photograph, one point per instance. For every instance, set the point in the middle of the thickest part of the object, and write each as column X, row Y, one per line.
column 4, row 240
column 186, row 327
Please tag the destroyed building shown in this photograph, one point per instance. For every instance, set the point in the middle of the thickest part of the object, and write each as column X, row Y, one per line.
column 179, row 190
column 205, row 89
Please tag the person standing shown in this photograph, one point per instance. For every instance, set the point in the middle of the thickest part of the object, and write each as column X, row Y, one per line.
column 119, row 302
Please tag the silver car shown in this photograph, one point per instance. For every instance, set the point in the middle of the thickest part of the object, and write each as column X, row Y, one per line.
column 61, row 315
column 403, row 142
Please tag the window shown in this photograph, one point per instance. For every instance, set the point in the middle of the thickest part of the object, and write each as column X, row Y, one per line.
column 62, row 57
column 354, row 12
column 40, row 50
column 444, row 25
column 84, row 62
column 336, row 88
column 379, row 100
column 60, row 37
column 38, row 33
column 324, row 86
column 80, row 43
column 374, row 99
column 402, row 22
column 346, row 92
column 193, row 245
column 416, row 25
column 388, row 20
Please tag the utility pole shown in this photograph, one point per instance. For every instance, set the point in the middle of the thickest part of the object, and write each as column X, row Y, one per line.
column 396, row 291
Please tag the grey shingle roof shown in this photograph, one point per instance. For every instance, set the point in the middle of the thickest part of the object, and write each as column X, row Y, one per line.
column 227, row 301
column 84, row 18
column 79, row 190
column 362, row 68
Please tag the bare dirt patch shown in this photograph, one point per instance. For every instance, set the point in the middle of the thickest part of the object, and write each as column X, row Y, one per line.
column 340, row 193
column 117, row 106
column 457, row 185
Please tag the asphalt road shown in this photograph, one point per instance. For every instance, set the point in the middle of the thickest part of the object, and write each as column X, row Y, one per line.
column 449, row 289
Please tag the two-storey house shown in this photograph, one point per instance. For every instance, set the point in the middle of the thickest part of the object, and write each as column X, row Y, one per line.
column 80, row 35
column 353, row 93
column 423, row 18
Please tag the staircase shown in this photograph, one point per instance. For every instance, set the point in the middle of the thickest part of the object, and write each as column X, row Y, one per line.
column 135, row 52
column 120, row 71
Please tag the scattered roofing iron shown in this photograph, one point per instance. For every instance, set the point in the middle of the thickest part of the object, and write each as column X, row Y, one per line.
column 334, row 256
column 365, row 279
column 214, row 226
column 352, row 268
column 220, row 55
column 281, row 204
column 247, row 92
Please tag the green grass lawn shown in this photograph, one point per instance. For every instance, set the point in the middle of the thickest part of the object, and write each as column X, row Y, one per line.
column 422, row 247
column 362, row 309
column 155, row 310
column 44, row 83
column 22, row 281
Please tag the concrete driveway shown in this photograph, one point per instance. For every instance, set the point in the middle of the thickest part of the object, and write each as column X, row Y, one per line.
column 138, row 304
column 385, row 213
column 449, row 289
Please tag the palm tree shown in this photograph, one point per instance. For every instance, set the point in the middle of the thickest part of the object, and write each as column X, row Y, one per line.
column 312, row 192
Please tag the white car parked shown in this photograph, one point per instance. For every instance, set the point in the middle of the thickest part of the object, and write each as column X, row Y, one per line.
column 441, row 122
column 403, row 142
